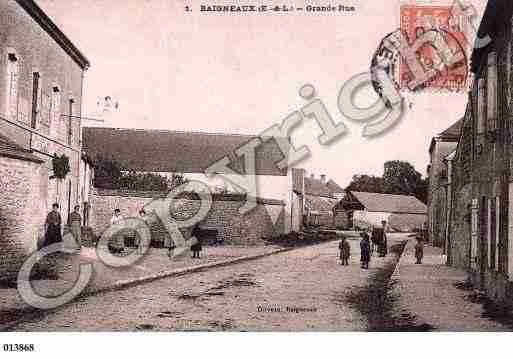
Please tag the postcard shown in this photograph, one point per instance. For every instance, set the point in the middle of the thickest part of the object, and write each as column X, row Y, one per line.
column 171, row 166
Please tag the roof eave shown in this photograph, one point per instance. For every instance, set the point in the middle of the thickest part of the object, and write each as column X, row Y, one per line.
column 49, row 26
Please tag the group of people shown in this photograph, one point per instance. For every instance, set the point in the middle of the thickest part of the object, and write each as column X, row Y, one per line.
column 365, row 251
column 196, row 248
column 53, row 226
column 377, row 241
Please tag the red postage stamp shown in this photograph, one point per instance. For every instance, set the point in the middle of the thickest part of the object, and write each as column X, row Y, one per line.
column 439, row 40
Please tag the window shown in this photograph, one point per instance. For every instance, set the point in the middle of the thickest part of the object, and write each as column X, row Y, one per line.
column 497, row 231
column 474, row 232
column 509, row 259
column 12, row 86
column 70, row 120
column 491, row 232
column 481, row 106
column 492, row 91
column 35, row 97
column 508, row 73
column 55, row 111
column 46, row 108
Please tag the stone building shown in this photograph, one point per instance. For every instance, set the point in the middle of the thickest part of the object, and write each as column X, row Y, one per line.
column 481, row 229
column 441, row 146
column 40, row 107
column 191, row 154
column 401, row 212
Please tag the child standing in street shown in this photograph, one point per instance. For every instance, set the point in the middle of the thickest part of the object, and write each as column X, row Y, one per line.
column 345, row 251
column 419, row 251
column 365, row 250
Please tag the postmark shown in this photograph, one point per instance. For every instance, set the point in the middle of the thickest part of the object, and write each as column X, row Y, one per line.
column 429, row 51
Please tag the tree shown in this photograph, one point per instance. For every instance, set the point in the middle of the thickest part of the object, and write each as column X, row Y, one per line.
column 366, row 183
column 109, row 174
column 177, row 179
column 399, row 177
column 136, row 181
column 421, row 192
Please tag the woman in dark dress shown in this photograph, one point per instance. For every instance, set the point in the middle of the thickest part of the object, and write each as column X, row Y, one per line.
column 196, row 248
column 53, row 226
column 365, row 250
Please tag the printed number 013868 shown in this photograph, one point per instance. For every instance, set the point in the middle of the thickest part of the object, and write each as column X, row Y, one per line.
column 18, row 347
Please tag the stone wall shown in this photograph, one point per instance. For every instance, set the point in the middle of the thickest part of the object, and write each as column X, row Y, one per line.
column 437, row 194
column 22, row 213
column 233, row 228
column 459, row 230
column 341, row 219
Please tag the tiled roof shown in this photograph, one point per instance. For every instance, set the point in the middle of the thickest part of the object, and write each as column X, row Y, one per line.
column 320, row 204
column 10, row 149
column 49, row 26
column 173, row 151
column 334, row 187
column 453, row 131
column 393, row 203
column 315, row 187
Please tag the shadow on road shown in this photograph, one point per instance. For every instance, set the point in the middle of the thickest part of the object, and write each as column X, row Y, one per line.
column 498, row 313
column 376, row 301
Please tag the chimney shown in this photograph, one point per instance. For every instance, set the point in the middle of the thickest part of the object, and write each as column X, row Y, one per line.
column 323, row 179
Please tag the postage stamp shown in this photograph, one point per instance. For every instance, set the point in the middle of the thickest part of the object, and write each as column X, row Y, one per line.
column 441, row 44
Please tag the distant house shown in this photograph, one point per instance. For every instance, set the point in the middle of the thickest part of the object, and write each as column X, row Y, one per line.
column 336, row 191
column 191, row 154
column 402, row 213
column 320, row 201
column 441, row 146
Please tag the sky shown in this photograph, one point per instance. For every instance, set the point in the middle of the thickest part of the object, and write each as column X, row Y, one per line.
column 241, row 73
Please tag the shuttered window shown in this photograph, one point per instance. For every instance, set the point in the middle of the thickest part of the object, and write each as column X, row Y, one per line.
column 490, row 209
column 69, row 123
column 35, row 98
column 12, row 86
column 492, row 91
column 510, row 232
column 474, row 228
column 508, row 72
column 55, row 112
column 493, row 238
column 497, row 230
column 481, row 106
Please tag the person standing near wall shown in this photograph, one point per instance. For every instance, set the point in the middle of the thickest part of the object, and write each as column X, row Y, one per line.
column 75, row 225
column 116, row 245
column 53, row 225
